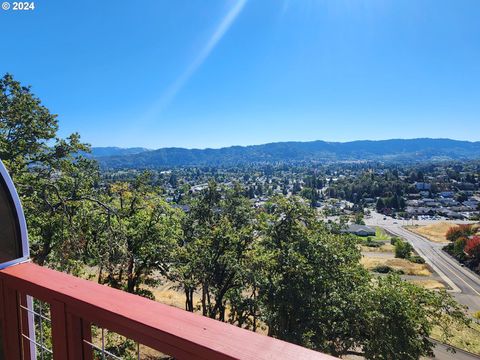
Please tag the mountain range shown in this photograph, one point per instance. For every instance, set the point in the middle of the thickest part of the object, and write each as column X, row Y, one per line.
column 399, row 150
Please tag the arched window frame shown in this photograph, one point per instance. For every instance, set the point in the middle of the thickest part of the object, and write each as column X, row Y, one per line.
column 20, row 217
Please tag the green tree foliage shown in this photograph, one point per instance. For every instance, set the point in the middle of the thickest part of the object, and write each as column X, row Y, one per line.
column 310, row 278
column 359, row 218
column 391, row 202
column 459, row 246
column 311, row 194
column 314, row 292
column 400, row 317
column 387, row 186
column 136, row 234
column 380, row 204
column 25, row 127
column 54, row 199
column 218, row 233
column 403, row 249
column 50, row 176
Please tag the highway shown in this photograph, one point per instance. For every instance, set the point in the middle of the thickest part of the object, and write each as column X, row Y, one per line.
column 464, row 284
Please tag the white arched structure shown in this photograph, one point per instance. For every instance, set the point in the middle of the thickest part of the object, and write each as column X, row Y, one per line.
column 14, row 246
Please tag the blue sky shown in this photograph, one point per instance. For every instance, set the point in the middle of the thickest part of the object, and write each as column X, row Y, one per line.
column 214, row 73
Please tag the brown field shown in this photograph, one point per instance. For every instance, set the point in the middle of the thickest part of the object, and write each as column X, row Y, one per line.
column 433, row 232
column 409, row 268
column 430, row 284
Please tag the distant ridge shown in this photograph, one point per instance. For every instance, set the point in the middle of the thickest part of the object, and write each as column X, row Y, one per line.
column 399, row 150
column 116, row 151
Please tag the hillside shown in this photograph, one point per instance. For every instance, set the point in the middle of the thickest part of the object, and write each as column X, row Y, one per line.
column 115, row 151
column 383, row 150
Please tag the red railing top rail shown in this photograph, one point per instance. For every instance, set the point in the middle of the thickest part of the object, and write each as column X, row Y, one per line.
column 176, row 332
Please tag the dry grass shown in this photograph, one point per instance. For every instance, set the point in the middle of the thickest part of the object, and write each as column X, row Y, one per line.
column 167, row 294
column 433, row 232
column 170, row 297
column 428, row 284
column 408, row 267
column 463, row 337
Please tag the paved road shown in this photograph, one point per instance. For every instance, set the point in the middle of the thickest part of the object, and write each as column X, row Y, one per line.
column 441, row 353
column 465, row 285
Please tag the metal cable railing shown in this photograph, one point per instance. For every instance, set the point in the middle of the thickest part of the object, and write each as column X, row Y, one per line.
column 75, row 319
column 36, row 328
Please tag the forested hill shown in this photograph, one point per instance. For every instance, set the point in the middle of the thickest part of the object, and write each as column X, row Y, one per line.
column 115, row 151
column 384, row 150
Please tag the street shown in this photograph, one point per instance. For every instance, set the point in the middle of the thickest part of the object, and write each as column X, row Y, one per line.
column 464, row 284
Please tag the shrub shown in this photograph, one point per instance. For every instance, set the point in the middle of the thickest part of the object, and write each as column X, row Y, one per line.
column 371, row 243
column 403, row 249
column 459, row 246
column 476, row 315
column 417, row 259
column 394, row 240
column 385, row 269
column 449, row 248
column 359, row 219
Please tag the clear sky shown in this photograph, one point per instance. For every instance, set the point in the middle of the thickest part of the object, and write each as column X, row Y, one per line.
column 211, row 73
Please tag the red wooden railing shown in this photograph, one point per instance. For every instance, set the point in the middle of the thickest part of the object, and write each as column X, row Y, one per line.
column 76, row 304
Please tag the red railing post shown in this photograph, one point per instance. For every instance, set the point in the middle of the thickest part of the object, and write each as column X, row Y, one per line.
column 74, row 337
column 3, row 329
column 78, row 330
column 12, row 344
column 59, row 330
column 87, row 335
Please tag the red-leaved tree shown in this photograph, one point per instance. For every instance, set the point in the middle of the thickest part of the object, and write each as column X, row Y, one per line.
column 462, row 230
column 472, row 247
